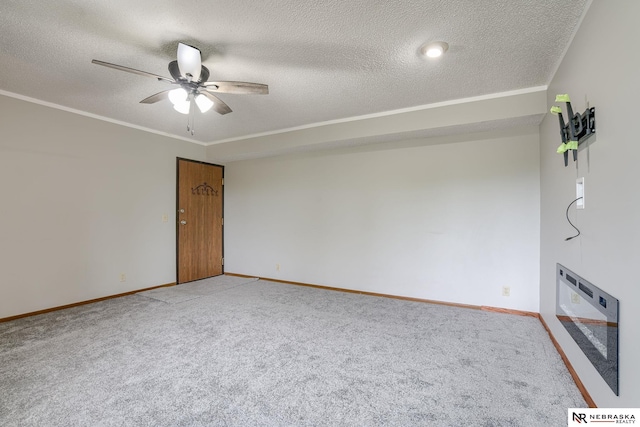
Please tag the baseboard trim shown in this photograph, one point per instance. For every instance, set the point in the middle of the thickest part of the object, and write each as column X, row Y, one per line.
column 76, row 304
column 509, row 311
column 375, row 294
column 354, row 291
column 565, row 359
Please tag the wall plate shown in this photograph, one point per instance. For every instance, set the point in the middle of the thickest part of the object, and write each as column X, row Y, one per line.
column 580, row 193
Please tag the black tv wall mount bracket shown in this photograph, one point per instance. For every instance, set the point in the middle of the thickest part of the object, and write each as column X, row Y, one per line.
column 578, row 129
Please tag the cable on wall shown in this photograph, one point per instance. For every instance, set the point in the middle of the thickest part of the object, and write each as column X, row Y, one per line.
column 569, row 207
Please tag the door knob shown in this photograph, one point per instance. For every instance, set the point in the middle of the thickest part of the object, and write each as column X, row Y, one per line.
column 183, row 222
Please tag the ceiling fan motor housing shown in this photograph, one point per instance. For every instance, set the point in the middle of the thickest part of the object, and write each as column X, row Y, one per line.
column 187, row 84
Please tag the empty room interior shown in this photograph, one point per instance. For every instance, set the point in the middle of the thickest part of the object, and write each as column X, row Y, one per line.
column 411, row 192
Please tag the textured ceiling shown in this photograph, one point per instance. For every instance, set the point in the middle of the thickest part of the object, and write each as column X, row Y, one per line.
column 323, row 60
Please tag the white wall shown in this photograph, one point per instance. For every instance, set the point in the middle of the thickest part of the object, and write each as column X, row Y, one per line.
column 450, row 222
column 81, row 202
column 602, row 63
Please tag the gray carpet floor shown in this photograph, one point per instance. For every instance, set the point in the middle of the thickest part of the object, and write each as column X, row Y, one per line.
column 230, row 351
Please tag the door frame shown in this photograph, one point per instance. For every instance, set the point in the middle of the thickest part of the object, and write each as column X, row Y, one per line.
column 177, row 244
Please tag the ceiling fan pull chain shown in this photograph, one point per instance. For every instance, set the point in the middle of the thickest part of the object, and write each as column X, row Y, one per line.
column 191, row 115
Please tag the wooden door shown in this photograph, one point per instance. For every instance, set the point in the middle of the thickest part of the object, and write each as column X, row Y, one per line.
column 199, row 220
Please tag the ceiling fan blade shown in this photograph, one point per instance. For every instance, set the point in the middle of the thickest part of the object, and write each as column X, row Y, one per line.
column 157, row 97
column 237, row 87
column 218, row 105
column 189, row 61
column 131, row 70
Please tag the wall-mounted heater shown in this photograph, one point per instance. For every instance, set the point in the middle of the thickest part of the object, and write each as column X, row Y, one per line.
column 590, row 315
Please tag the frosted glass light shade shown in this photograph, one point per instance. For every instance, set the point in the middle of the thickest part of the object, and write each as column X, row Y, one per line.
column 182, row 107
column 204, row 103
column 178, row 96
column 189, row 61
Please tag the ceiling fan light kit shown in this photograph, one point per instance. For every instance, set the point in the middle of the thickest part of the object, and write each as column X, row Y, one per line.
column 191, row 76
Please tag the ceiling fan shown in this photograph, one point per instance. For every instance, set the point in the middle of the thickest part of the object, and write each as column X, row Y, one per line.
column 193, row 88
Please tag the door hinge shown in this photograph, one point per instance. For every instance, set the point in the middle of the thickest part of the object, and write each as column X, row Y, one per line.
column 222, row 181
column 222, row 221
column 222, row 261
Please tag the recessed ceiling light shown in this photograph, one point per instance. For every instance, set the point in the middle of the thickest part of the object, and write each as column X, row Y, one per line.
column 435, row 49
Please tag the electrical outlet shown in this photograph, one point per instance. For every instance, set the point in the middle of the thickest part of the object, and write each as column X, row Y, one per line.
column 575, row 298
column 123, row 277
column 506, row 291
column 277, row 267
column 165, row 218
